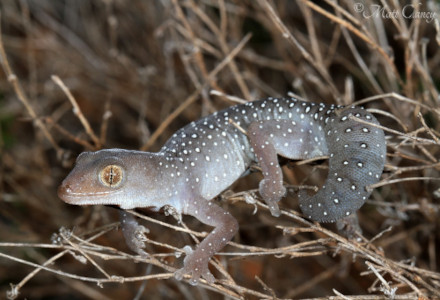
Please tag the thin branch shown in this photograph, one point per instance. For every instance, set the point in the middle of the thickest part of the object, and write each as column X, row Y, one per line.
column 77, row 111
column 12, row 78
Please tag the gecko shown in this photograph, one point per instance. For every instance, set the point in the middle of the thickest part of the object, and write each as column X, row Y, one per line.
column 205, row 157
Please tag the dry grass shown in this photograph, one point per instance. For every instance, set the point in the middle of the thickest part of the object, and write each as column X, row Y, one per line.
column 136, row 71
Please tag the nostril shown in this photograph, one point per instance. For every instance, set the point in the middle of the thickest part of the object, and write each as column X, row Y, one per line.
column 63, row 189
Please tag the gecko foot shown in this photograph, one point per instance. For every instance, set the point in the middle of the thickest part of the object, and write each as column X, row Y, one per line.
column 136, row 239
column 134, row 233
column 349, row 227
column 139, row 239
column 196, row 266
column 272, row 192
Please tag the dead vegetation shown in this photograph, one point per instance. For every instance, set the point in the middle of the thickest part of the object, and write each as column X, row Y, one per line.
column 86, row 75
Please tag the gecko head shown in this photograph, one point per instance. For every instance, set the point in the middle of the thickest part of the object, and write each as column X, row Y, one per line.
column 97, row 178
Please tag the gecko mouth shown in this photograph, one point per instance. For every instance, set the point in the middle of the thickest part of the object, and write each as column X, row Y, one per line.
column 68, row 195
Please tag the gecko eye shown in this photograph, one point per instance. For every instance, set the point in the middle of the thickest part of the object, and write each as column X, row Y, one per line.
column 111, row 176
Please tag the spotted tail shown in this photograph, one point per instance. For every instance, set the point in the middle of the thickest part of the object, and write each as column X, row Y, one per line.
column 357, row 157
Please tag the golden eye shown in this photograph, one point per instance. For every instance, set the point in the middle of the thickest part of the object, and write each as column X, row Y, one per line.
column 111, row 175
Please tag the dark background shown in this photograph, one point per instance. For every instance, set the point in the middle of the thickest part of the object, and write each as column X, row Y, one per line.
column 139, row 70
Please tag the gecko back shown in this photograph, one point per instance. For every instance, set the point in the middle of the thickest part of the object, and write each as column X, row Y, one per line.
column 220, row 152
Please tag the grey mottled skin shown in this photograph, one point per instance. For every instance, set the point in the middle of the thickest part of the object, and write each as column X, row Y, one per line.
column 205, row 157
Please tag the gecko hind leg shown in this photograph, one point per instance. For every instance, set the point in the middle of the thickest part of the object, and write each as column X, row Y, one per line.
column 288, row 138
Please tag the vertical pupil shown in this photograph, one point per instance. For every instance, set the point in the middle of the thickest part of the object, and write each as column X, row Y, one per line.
column 111, row 175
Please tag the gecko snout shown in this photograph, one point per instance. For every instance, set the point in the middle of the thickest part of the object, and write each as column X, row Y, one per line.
column 63, row 191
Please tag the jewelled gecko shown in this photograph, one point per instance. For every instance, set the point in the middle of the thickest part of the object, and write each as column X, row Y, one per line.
column 205, row 157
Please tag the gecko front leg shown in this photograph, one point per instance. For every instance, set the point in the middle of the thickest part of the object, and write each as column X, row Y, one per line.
column 225, row 226
column 133, row 232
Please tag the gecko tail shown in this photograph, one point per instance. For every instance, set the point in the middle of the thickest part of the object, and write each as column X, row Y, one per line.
column 356, row 160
